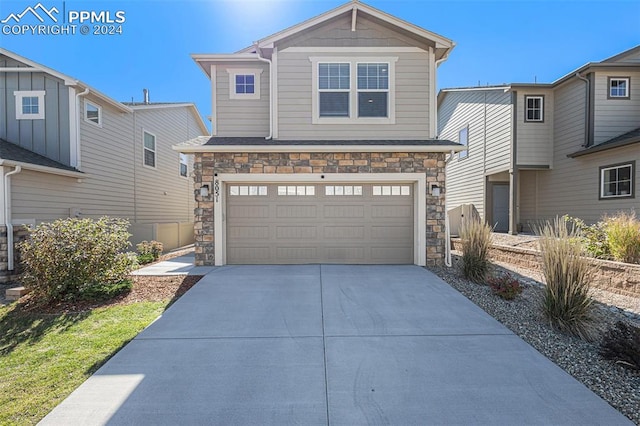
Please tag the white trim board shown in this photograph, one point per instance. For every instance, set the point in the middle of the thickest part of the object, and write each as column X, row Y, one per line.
column 319, row 148
column 419, row 181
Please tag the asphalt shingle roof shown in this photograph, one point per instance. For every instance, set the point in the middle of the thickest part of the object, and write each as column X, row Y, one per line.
column 625, row 139
column 13, row 152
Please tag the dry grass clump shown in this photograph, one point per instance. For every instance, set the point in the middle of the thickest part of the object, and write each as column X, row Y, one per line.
column 476, row 240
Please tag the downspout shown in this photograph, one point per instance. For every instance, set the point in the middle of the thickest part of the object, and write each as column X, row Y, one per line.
column 270, row 90
column 7, row 216
column 78, row 157
column 587, row 125
column 447, row 231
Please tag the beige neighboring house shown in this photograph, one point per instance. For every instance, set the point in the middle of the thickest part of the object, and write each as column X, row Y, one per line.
column 67, row 150
column 535, row 151
column 324, row 146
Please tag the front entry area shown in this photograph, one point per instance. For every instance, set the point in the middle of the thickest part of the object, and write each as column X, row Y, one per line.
column 308, row 222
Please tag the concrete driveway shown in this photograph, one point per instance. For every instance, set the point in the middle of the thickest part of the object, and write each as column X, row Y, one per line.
column 329, row 344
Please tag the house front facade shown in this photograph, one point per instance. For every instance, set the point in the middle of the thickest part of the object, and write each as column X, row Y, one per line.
column 536, row 151
column 68, row 150
column 324, row 146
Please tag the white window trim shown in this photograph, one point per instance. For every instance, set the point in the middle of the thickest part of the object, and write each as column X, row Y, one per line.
column 186, row 163
column 353, row 91
column 155, row 151
column 526, row 109
column 419, row 180
column 628, row 88
column 86, row 118
column 20, row 94
column 617, row 166
column 462, row 156
column 245, row 71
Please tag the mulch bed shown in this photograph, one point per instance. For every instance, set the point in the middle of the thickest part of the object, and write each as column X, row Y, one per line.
column 145, row 289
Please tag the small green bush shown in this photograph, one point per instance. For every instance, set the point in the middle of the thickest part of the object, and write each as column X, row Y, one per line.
column 566, row 301
column 476, row 240
column 594, row 237
column 623, row 237
column 505, row 286
column 72, row 259
column 621, row 343
column 149, row 251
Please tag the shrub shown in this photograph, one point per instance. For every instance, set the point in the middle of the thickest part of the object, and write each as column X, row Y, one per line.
column 621, row 343
column 566, row 301
column 506, row 286
column 76, row 258
column 623, row 237
column 149, row 251
column 476, row 240
column 594, row 237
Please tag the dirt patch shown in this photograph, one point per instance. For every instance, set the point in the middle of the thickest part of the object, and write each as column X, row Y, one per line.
column 145, row 289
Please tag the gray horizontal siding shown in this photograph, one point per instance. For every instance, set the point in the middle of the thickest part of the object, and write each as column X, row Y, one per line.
column 613, row 117
column 535, row 139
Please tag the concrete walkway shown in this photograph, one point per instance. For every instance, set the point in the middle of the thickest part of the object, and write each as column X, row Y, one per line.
column 329, row 345
column 182, row 265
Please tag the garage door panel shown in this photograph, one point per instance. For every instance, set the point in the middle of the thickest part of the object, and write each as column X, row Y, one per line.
column 297, row 225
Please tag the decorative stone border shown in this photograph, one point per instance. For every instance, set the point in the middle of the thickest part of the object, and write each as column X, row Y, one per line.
column 616, row 277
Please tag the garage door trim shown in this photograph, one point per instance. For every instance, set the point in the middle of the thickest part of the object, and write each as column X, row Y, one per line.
column 418, row 179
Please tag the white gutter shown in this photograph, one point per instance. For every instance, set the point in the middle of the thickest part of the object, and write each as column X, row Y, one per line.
column 44, row 169
column 587, row 113
column 447, row 231
column 270, row 90
column 77, row 141
column 7, row 216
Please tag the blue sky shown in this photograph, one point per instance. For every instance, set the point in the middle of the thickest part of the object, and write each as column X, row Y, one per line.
column 497, row 41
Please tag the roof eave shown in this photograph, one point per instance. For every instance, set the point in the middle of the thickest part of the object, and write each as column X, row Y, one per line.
column 317, row 148
column 43, row 169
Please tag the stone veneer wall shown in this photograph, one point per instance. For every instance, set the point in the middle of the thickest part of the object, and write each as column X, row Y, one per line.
column 19, row 234
column 207, row 164
column 616, row 277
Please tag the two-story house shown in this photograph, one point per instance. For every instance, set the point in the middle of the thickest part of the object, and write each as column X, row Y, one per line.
column 68, row 150
column 324, row 146
column 536, row 151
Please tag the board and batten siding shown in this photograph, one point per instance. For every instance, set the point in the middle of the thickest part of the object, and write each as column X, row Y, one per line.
column 412, row 93
column 487, row 113
column 48, row 137
column 614, row 117
column 534, row 139
column 241, row 117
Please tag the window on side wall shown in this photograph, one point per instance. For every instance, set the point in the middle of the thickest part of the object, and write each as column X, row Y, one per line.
column 616, row 181
column 619, row 88
column 244, row 83
column 184, row 165
column 29, row 104
column 534, row 108
column 463, row 139
column 92, row 113
column 149, row 149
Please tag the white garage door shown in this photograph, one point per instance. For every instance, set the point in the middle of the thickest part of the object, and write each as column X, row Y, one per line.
column 319, row 223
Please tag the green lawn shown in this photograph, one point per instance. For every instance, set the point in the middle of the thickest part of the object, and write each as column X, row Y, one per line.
column 44, row 357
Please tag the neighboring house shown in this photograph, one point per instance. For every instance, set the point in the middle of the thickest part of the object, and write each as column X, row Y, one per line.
column 535, row 151
column 324, row 146
column 67, row 150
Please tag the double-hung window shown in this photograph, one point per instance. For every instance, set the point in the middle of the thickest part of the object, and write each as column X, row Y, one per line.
column 356, row 90
column 534, row 108
column 618, row 88
column 149, row 149
column 184, row 165
column 616, row 181
column 334, row 84
column 463, row 139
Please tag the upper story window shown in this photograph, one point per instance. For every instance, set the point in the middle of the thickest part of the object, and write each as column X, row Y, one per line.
column 184, row 165
column 463, row 139
column 373, row 90
column 29, row 104
column 92, row 113
column 334, row 84
column 149, row 149
column 244, row 83
column 616, row 181
column 534, row 108
column 618, row 88
column 353, row 90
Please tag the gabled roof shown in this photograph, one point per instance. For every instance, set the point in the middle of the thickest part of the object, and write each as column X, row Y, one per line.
column 14, row 155
column 68, row 80
column 619, row 141
column 258, row 144
column 141, row 106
